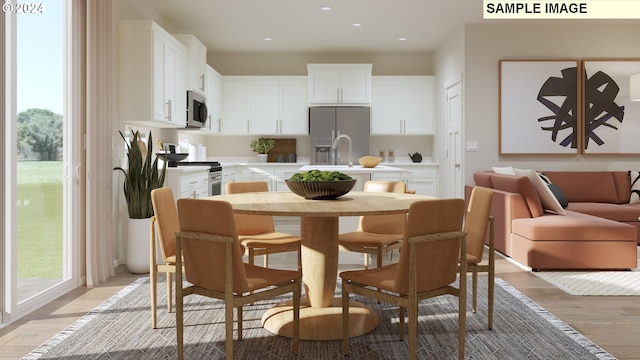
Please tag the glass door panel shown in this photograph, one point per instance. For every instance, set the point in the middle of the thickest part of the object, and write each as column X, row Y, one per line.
column 41, row 153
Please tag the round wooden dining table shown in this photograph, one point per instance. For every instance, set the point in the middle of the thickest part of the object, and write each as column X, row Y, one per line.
column 321, row 311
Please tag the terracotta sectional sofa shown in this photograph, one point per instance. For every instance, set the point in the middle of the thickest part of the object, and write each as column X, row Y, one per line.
column 600, row 229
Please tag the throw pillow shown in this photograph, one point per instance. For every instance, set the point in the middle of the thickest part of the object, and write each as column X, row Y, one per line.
column 634, row 176
column 506, row 170
column 549, row 202
column 559, row 194
column 556, row 190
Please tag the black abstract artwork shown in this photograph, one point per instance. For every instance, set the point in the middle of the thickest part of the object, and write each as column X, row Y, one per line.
column 601, row 110
column 564, row 114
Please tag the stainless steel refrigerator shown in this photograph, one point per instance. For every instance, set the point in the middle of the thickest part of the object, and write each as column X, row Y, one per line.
column 326, row 123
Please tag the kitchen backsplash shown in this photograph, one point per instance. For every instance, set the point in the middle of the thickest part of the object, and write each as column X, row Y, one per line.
column 238, row 145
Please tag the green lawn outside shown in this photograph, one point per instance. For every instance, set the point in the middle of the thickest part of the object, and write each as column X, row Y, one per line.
column 39, row 212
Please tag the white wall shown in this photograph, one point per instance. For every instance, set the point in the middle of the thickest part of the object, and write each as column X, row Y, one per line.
column 485, row 45
column 449, row 62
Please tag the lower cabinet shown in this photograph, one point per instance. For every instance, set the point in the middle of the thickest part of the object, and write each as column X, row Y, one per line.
column 423, row 179
column 188, row 181
column 228, row 175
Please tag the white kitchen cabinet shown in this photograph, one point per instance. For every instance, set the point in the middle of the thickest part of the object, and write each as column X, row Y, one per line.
column 294, row 110
column 264, row 105
column 196, row 62
column 213, row 94
column 188, row 181
column 236, row 106
column 339, row 84
column 258, row 173
column 228, row 175
column 402, row 105
column 423, row 179
column 152, row 83
column 283, row 172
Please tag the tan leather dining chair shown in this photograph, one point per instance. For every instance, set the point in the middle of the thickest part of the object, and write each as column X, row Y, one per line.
column 165, row 221
column 213, row 265
column 376, row 234
column 257, row 233
column 428, row 267
column 477, row 220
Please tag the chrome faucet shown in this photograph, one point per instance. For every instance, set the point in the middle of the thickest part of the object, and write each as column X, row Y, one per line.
column 335, row 145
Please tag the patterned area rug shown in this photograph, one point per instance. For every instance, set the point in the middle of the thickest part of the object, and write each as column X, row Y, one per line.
column 121, row 329
column 608, row 283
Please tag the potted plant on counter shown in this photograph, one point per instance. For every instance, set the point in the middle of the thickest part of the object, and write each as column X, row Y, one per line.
column 141, row 176
column 262, row 147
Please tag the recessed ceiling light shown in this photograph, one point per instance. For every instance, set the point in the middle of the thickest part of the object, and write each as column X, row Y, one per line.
column 326, row 8
column 402, row 38
column 268, row 39
column 357, row 25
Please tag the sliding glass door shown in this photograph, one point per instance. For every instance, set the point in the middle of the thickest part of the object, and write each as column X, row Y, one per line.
column 42, row 189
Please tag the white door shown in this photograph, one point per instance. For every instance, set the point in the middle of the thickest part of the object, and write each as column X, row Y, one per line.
column 454, row 116
column 41, row 140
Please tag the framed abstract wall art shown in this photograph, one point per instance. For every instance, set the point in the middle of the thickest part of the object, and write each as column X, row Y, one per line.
column 539, row 107
column 611, row 120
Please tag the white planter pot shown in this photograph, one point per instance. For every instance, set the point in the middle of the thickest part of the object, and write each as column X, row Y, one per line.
column 262, row 158
column 138, row 245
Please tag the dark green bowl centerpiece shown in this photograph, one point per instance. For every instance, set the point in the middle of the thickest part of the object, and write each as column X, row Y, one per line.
column 320, row 185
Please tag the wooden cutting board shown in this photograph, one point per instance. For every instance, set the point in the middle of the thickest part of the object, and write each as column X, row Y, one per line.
column 282, row 147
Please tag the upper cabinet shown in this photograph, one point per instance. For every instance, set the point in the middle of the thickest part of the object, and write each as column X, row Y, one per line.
column 264, row 105
column 213, row 93
column 339, row 84
column 196, row 62
column 402, row 105
column 152, row 83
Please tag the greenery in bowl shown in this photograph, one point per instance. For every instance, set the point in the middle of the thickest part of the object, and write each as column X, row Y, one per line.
column 262, row 145
column 318, row 175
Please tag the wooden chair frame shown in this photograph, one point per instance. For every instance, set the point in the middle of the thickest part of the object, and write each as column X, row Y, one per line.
column 410, row 301
column 379, row 250
column 228, row 296
column 155, row 268
column 490, row 269
column 256, row 250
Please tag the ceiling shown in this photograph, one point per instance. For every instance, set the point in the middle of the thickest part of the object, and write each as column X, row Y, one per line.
column 301, row 26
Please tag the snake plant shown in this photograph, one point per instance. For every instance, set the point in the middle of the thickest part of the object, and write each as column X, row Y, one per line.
column 141, row 177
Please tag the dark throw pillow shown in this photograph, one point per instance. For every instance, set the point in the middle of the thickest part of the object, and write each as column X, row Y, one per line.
column 559, row 194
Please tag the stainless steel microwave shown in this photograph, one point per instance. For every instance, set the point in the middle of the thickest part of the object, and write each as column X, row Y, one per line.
column 196, row 110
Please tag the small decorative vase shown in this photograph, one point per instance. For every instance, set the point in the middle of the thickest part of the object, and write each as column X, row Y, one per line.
column 138, row 245
column 262, row 158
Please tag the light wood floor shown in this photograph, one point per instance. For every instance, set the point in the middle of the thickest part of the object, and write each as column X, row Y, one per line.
column 611, row 322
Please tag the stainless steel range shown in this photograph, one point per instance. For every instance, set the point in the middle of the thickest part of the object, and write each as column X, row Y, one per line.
column 215, row 173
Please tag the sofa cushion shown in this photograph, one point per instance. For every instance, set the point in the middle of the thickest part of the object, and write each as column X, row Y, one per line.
column 614, row 212
column 573, row 226
column 519, row 185
column 634, row 179
column 623, row 186
column 483, row 178
column 586, row 186
column 548, row 200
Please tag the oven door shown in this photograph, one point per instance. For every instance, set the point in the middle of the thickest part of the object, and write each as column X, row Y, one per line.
column 215, row 183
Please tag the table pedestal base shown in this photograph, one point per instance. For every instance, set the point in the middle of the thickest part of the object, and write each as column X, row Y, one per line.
column 318, row 323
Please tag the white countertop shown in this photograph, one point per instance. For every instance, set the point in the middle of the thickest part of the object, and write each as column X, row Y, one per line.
column 355, row 169
column 188, row 168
